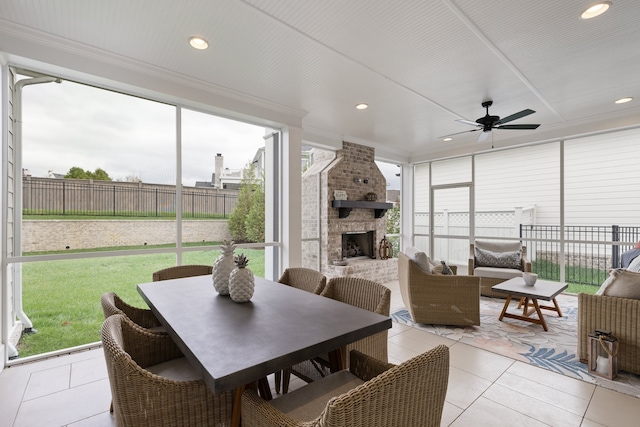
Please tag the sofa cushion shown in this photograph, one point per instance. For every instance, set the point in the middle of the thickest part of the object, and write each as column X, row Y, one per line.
column 497, row 273
column 623, row 284
column 487, row 258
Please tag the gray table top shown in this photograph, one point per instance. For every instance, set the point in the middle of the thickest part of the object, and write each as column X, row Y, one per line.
column 543, row 289
column 234, row 344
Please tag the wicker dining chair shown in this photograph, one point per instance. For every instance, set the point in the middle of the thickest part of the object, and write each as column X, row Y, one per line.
column 371, row 394
column 153, row 385
column 305, row 279
column 362, row 293
column 181, row 271
column 143, row 317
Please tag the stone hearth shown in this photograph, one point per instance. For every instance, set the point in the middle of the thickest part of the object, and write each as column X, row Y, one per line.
column 353, row 171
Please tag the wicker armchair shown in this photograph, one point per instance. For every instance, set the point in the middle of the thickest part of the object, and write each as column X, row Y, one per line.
column 305, row 279
column 438, row 299
column 181, row 271
column 491, row 276
column 621, row 316
column 362, row 293
column 143, row 317
column 142, row 398
column 372, row 394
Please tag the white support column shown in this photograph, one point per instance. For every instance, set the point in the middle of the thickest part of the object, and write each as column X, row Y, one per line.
column 406, row 207
column 291, row 213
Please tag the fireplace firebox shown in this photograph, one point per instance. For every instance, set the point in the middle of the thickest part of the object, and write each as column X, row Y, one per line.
column 358, row 245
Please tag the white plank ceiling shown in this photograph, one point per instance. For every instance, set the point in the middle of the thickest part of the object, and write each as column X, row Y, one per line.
column 418, row 64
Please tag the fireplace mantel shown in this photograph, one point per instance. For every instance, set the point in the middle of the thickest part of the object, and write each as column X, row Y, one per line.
column 345, row 207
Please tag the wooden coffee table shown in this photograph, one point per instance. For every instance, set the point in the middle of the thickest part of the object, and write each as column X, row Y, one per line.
column 543, row 290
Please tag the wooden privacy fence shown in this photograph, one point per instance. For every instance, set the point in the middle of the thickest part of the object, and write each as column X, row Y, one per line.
column 44, row 196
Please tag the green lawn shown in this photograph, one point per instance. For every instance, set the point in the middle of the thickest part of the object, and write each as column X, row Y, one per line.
column 62, row 298
column 575, row 276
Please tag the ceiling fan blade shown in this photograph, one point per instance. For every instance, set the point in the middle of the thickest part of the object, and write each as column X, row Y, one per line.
column 515, row 116
column 483, row 135
column 518, row 126
column 458, row 133
column 468, row 122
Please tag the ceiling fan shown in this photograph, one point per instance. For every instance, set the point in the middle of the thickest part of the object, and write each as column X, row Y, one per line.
column 488, row 122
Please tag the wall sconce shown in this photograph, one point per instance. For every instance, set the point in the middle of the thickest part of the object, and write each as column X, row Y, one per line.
column 603, row 354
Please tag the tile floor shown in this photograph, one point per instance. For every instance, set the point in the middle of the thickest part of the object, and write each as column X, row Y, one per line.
column 485, row 389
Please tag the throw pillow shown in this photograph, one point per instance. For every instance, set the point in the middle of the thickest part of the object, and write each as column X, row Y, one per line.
column 625, row 284
column 634, row 265
column 423, row 262
column 485, row 258
column 442, row 268
column 637, row 246
column 445, row 269
column 606, row 283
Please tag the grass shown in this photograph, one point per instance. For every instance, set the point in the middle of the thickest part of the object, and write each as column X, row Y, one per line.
column 574, row 276
column 62, row 298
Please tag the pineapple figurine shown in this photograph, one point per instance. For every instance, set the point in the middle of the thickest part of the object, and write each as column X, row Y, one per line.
column 241, row 282
column 222, row 268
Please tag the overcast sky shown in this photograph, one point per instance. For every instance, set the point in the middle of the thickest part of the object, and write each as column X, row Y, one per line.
column 69, row 124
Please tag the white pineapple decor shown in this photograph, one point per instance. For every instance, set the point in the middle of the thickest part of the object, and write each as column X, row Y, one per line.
column 241, row 282
column 222, row 267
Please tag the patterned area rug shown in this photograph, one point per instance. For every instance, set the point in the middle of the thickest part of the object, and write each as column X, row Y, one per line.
column 555, row 350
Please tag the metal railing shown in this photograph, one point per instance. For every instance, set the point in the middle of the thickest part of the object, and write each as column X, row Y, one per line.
column 63, row 197
column 590, row 251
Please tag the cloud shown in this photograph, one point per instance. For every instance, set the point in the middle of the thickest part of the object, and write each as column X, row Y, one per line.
column 70, row 124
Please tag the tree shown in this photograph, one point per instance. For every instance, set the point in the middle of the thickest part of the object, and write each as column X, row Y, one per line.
column 255, row 219
column 238, row 220
column 79, row 173
column 393, row 220
column 100, row 175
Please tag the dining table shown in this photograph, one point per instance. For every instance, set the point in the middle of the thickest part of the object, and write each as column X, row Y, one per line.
column 237, row 344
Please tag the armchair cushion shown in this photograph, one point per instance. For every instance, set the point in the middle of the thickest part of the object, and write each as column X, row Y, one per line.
column 308, row 402
column 487, row 258
column 497, row 273
column 177, row 370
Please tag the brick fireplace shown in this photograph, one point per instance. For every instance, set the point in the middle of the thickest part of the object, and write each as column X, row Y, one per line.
column 349, row 230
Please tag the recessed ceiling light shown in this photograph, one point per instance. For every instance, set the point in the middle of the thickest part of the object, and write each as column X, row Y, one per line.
column 623, row 100
column 362, row 106
column 448, row 139
column 596, row 10
column 198, row 43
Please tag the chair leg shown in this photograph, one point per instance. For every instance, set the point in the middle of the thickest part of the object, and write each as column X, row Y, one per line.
column 263, row 389
column 286, row 377
column 278, row 379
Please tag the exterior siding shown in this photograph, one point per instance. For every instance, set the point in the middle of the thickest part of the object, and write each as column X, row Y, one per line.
column 602, row 178
column 524, row 177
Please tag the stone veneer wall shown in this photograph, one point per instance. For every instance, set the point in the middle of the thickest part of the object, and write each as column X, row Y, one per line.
column 340, row 171
column 55, row 235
